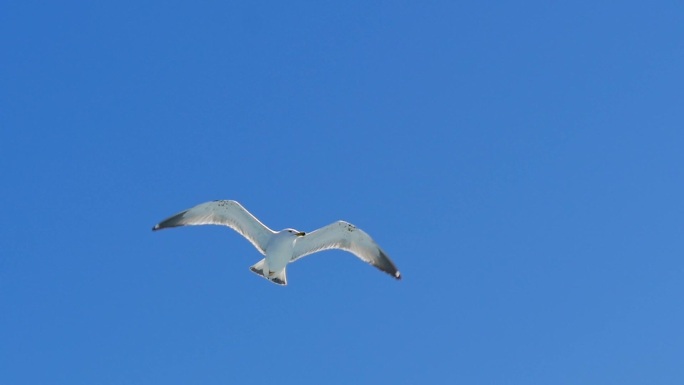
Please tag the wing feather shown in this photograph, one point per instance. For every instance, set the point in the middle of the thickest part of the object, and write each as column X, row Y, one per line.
column 345, row 236
column 226, row 213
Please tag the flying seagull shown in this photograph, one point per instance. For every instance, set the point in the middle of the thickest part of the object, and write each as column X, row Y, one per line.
column 284, row 246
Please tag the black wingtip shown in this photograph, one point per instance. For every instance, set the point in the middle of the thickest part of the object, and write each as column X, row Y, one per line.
column 385, row 264
column 174, row 221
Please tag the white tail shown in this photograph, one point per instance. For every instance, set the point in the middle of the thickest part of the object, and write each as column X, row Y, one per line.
column 278, row 277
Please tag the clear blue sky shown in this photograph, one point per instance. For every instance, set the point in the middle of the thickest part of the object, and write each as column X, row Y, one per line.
column 522, row 163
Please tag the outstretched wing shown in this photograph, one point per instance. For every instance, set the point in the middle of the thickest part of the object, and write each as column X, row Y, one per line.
column 345, row 236
column 226, row 213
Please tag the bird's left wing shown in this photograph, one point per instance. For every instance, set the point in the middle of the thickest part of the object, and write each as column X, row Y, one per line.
column 345, row 236
column 223, row 212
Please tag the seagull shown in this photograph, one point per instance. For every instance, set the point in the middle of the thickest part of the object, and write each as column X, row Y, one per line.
column 284, row 246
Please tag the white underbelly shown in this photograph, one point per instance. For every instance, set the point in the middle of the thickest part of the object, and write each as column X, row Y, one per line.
column 278, row 255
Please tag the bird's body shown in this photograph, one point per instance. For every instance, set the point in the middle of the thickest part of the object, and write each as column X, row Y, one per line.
column 279, row 249
column 285, row 246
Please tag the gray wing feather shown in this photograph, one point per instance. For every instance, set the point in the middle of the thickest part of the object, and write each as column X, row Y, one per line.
column 226, row 213
column 345, row 236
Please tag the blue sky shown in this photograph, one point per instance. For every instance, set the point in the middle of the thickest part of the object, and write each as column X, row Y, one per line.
column 520, row 163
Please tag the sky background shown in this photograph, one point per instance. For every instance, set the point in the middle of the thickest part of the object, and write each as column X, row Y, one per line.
column 521, row 163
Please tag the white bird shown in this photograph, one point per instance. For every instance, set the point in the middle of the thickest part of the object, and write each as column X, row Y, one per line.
column 285, row 246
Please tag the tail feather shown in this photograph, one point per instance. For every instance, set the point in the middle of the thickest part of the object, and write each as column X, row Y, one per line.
column 279, row 277
column 259, row 267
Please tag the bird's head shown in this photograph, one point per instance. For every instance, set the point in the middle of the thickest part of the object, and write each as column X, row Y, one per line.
column 295, row 232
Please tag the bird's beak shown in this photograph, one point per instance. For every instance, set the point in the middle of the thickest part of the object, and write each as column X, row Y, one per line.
column 301, row 234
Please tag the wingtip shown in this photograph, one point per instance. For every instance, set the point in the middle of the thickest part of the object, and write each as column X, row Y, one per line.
column 397, row 275
column 155, row 228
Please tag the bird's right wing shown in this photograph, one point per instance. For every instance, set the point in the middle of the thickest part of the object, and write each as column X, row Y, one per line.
column 226, row 213
column 345, row 236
